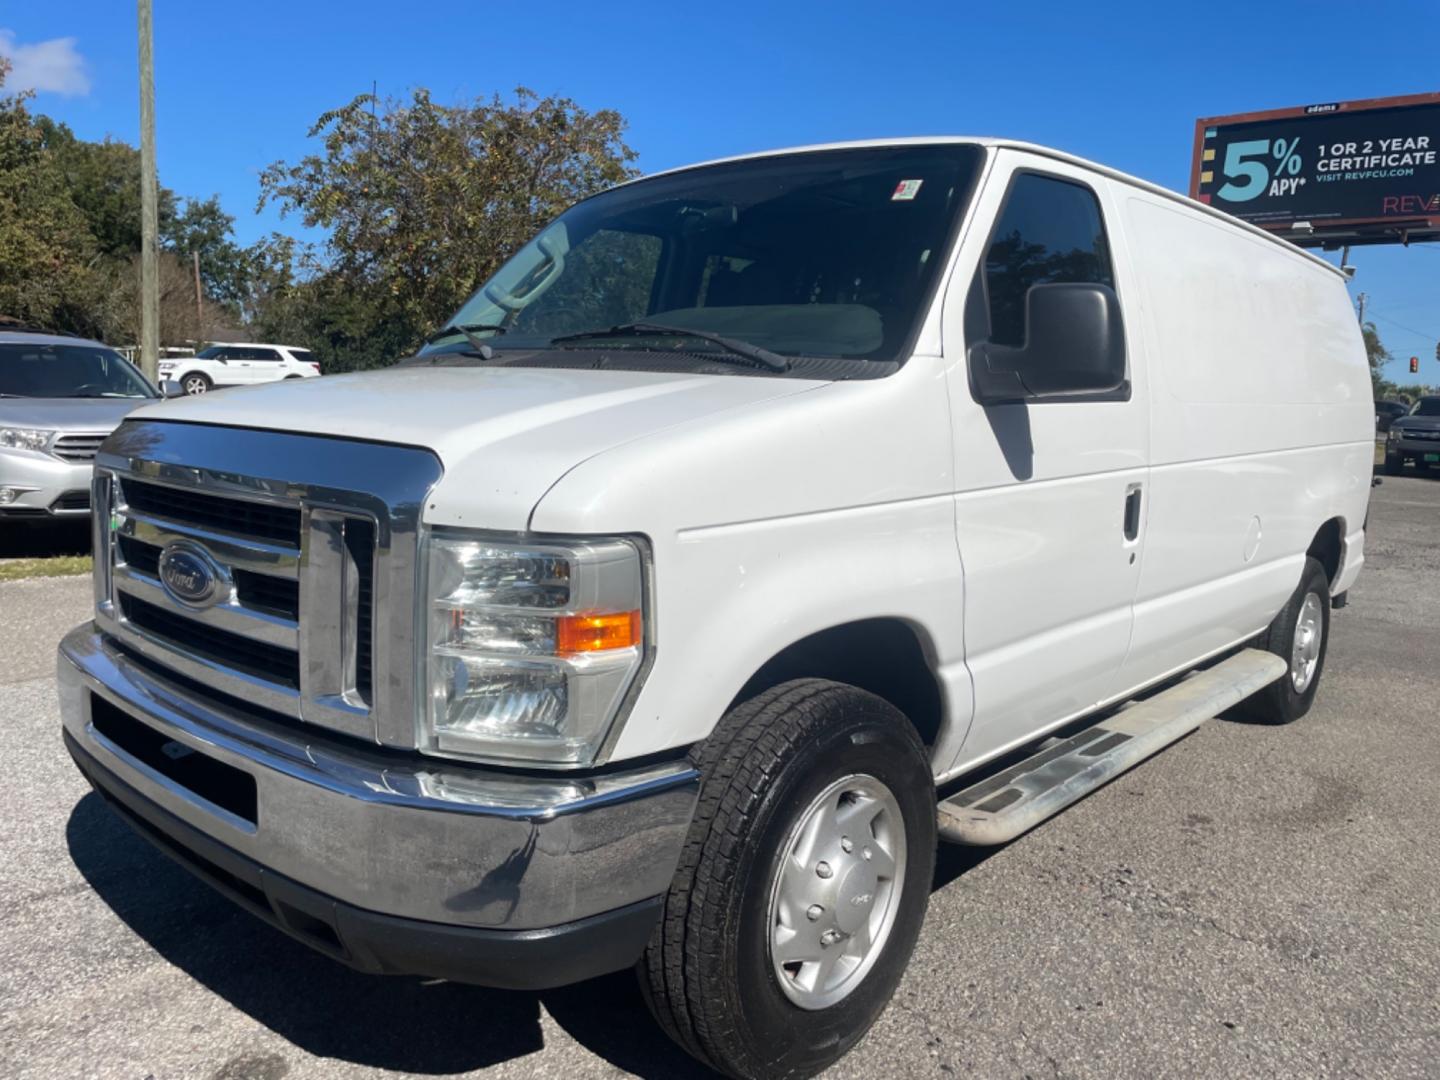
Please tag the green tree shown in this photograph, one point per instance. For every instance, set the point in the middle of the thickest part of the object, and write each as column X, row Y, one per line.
column 46, row 250
column 1378, row 355
column 203, row 228
column 422, row 202
column 103, row 180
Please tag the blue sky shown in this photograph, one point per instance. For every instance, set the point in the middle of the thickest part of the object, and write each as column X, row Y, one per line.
column 239, row 83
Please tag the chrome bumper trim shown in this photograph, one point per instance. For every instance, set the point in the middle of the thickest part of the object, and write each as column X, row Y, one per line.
column 392, row 833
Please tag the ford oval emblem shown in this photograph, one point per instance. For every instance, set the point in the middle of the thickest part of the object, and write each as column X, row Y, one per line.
column 189, row 575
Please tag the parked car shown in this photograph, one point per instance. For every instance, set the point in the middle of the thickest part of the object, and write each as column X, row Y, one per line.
column 1415, row 439
column 60, row 396
column 239, row 364
column 1387, row 412
column 640, row 619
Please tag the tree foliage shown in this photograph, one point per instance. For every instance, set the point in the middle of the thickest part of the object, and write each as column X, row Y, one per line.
column 70, row 237
column 45, row 246
column 1378, row 355
column 421, row 202
column 418, row 203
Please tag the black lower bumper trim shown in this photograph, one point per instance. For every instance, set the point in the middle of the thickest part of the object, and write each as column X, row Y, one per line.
column 385, row 944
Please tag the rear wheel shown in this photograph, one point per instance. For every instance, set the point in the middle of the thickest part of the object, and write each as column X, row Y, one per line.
column 196, row 383
column 803, row 883
column 1300, row 636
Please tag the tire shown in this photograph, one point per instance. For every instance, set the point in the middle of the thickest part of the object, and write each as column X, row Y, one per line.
column 1290, row 697
column 197, row 383
column 1394, row 465
column 773, row 763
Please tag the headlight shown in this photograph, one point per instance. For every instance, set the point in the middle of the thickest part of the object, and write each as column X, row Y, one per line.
column 1396, row 434
column 530, row 648
column 13, row 438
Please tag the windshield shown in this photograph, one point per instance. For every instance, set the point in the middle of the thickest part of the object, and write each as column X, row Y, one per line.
column 830, row 254
column 68, row 371
column 1427, row 406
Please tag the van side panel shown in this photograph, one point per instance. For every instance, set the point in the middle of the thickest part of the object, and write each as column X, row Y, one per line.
column 1261, row 421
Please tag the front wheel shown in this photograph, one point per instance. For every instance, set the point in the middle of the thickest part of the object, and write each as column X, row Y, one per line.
column 195, row 383
column 1394, row 465
column 803, row 883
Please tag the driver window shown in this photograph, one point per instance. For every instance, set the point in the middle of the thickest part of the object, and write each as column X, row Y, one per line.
column 1050, row 231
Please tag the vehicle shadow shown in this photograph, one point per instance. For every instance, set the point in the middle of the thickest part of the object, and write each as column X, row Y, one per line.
column 44, row 538
column 424, row 1027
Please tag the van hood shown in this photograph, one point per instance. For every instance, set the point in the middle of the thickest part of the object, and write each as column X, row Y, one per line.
column 503, row 435
column 67, row 415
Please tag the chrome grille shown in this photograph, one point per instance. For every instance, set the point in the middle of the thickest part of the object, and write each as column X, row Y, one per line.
column 1419, row 433
column 78, row 447
column 272, row 663
column 279, row 524
column 297, row 566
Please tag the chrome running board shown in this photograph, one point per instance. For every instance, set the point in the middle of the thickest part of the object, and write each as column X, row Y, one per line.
column 1000, row 808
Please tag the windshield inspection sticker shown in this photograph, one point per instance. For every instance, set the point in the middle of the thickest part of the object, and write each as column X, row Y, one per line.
column 906, row 189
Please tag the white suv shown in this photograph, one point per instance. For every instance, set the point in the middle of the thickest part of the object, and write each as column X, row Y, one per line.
column 235, row 364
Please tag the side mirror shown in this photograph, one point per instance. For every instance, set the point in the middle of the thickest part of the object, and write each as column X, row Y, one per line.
column 170, row 388
column 1074, row 344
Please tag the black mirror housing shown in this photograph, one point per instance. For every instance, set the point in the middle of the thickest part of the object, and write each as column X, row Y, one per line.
column 1074, row 345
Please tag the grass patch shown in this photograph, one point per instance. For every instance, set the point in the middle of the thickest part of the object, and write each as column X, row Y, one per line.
column 59, row 566
column 1380, row 450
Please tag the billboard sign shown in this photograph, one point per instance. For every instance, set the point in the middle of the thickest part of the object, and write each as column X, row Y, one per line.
column 1358, row 171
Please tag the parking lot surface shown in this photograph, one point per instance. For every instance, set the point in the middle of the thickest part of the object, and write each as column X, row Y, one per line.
column 1253, row 902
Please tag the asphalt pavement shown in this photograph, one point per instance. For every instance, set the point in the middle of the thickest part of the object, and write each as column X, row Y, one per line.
column 1252, row 902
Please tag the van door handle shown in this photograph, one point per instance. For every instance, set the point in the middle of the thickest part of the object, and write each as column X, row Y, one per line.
column 1132, row 513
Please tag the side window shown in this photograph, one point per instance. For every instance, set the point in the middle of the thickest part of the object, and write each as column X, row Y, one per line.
column 263, row 354
column 1050, row 230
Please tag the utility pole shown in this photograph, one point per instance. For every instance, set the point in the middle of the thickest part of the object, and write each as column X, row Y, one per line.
column 149, row 194
column 199, row 310
column 1360, row 300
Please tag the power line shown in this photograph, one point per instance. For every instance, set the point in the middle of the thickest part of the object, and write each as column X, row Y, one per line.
column 1409, row 329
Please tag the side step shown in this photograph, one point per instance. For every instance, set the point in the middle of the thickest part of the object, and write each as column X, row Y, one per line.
column 1002, row 807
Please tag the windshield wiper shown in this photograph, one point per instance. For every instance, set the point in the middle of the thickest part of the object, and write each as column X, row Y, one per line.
column 482, row 349
column 754, row 353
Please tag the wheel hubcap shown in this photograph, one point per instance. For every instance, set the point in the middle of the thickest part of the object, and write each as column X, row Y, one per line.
column 1305, row 651
column 837, row 892
column 194, row 386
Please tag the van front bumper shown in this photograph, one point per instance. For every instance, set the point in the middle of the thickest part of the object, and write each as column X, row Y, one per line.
column 388, row 862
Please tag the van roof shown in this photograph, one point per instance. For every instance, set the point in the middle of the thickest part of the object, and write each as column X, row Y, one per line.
column 1031, row 148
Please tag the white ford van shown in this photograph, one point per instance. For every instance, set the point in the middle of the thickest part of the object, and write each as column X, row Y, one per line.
column 639, row 619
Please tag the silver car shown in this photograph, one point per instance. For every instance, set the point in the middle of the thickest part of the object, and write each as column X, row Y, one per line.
column 60, row 397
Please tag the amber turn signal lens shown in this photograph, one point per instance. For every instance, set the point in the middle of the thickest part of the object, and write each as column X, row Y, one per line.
column 595, row 633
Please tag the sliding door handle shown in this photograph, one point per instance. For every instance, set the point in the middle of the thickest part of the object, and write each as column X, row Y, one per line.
column 1132, row 513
